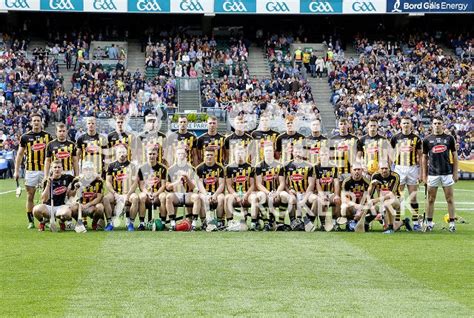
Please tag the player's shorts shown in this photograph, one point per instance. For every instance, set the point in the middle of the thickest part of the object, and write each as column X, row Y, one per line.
column 330, row 196
column 33, row 178
column 55, row 208
column 408, row 174
column 182, row 199
column 69, row 172
column 440, row 181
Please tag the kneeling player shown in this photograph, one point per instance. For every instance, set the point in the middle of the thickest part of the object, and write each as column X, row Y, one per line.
column 354, row 196
column 270, row 182
column 152, row 182
column 211, row 187
column 57, row 188
column 181, row 183
column 240, row 185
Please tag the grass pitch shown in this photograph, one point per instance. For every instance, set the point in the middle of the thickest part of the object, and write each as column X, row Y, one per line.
column 222, row 274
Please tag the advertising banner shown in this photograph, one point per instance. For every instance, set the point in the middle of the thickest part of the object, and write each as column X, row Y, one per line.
column 278, row 6
column 192, row 6
column 364, row 6
column 321, row 6
column 426, row 6
column 149, row 6
column 105, row 5
column 235, row 6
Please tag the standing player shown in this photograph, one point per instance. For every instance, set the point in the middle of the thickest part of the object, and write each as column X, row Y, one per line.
column 151, row 137
column 61, row 186
column 315, row 141
column 408, row 155
column 263, row 136
column 354, row 196
column 211, row 140
column 91, row 146
column 121, row 186
column 119, row 137
column 180, row 186
column 286, row 140
column 211, row 186
column 152, row 182
column 344, row 145
column 182, row 139
column 33, row 148
column 270, row 182
column 63, row 150
column 239, row 137
column 440, row 168
column 373, row 147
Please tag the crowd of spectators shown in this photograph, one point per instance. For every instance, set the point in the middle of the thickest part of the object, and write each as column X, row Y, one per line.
column 463, row 45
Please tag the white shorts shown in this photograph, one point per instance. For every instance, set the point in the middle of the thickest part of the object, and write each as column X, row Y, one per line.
column 181, row 198
column 55, row 209
column 440, row 181
column 69, row 172
column 408, row 174
column 34, row 178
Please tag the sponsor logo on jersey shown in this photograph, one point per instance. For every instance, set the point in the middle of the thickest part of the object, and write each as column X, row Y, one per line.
column 439, row 149
column 63, row 155
column 38, row 147
column 406, row 148
column 326, row 180
column 59, row 190
column 88, row 195
column 121, row 176
column 268, row 177
column 92, row 148
column 296, row 177
column 210, row 180
column 240, row 179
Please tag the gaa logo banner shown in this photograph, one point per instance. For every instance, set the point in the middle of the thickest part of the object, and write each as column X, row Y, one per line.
column 446, row 6
column 62, row 5
column 105, row 6
column 19, row 5
column 235, row 6
column 364, row 6
column 192, row 6
column 321, row 6
column 278, row 6
column 149, row 6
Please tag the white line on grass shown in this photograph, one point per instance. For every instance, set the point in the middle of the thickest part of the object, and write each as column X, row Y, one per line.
column 6, row 192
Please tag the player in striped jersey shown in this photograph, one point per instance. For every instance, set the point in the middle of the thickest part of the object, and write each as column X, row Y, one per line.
column 286, row 140
column 408, row 156
column 121, row 185
column 92, row 147
column 299, row 192
column 182, row 139
column 119, row 137
column 64, row 150
column 344, row 147
column 354, row 195
column 270, row 182
column 211, row 140
column 315, row 141
column 239, row 137
column 151, row 180
column 152, row 138
column 373, row 147
column 33, row 149
column 263, row 136
column 211, row 186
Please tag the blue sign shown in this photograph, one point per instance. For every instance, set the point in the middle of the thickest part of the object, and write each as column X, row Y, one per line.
column 62, row 5
column 149, row 6
column 321, row 6
column 427, row 6
column 235, row 6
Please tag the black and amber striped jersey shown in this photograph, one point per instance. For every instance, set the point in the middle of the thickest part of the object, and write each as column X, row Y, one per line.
column 232, row 140
column 241, row 175
column 151, row 140
column 152, row 176
column 344, row 150
column 215, row 142
column 374, row 148
column 406, row 149
column 262, row 137
column 313, row 145
column 175, row 172
column 358, row 188
column 62, row 150
column 326, row 176
column 123, row 174
column 440, row 150
column 187, row 140
column 210, row 176
column 389, row 184
column 60, row 187
column 284, row 142
column 92, row 148
column 90, row 192
column 114, row 139
column 35, row 149
column 270, row 174
column 297, row 175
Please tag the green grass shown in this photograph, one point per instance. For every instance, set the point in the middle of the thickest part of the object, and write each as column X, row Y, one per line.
column 222, row 274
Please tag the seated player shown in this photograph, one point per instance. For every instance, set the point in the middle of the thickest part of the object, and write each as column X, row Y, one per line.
column 354, row 196
column 121, row 185
column 387, row 185
column 270, row 182
column 240, row 185
column 211, row 187
column 328, row 188
column 152, row 183
column 57, row 189
column 180, row 185
column 91, row 196
column 299, row 194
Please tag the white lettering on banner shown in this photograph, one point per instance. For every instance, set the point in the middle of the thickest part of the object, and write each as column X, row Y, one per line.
column 363, row 7
column 320, row 7
column 234, row 6
column 144, row 5
column 275, row 6
column 192, row 126
column 17, row 4
column 104, row 5
column 61, row 5
column 191, row 5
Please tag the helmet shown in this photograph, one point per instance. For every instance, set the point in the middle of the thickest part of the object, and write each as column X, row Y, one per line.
column 184, row 225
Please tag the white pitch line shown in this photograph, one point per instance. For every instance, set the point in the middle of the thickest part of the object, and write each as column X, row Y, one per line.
column 6, row 192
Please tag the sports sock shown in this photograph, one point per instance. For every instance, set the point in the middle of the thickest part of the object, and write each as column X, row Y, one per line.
column 163, row 219
column 451, row 220
column 397, row 216
column 230, row 218
column 415, row 207
column 109, row 220
column 281, row 220
column 390, row 226
column 29, row 215
column 430, row 221
column 254, row 221
column 172, row 220
column 142, row 219
column 150, row 214
column 312, row 218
